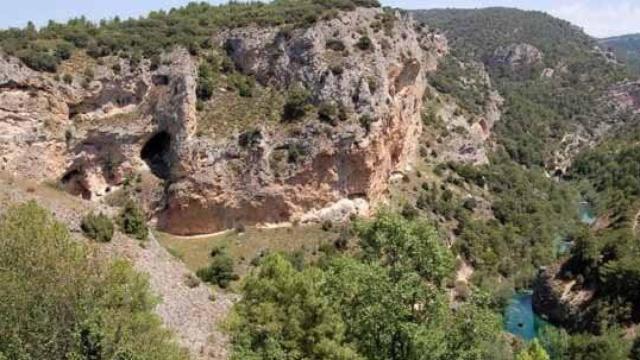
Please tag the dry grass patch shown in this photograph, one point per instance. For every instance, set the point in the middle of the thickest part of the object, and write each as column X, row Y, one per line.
column 244, row 247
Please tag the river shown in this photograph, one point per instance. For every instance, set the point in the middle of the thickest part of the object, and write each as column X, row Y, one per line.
column 519, row 318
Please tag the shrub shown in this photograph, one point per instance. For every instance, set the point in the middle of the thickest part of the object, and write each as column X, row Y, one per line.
column 67, row 78
column 89, row 74
column 366, row 121
column 155, row 62
column 40, row 60
column 337, row 69
column 364, row 43
column 373, row 84
column 327, row 225
column 206, row 82
column 470, row 203
column 409, row 211
column 328, row 112
column 63, row 51
column 220, row 271
column 191, row 281
column 250, row 138
column 295, row 153
column 133, row 222
column 240, row 228
column 244, row 84
column 97, row 227
column 296, row 105
column 60, row 302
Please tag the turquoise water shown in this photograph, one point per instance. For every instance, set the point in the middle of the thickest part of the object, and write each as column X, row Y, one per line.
column 587, row 215
column 519, row 318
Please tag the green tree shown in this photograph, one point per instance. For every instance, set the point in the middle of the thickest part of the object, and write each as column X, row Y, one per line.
column 610, row 346
column 387, row 317
column 60, row 301
column 405, row 245
column 375, row 310
column 297, row 103
column 283, row 315
column 533, row 352
column 220, row 270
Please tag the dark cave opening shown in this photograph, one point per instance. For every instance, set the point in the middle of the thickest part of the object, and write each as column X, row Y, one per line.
column 74, row 182
column 156, row 154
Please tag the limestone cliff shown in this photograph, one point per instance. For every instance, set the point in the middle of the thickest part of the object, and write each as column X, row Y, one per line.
column 228, row 183
column 100, row 129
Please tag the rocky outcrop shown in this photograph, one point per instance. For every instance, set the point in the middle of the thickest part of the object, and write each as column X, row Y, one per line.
column 560, row 301
column 457, row 134
column 89, row 133
column 625, row 97
column 516, row 56
column 283, row 176
column 98, row 132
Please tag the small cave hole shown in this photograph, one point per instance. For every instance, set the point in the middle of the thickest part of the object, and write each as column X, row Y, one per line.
column 156, row 154
column 160, row 80
column 74, row 182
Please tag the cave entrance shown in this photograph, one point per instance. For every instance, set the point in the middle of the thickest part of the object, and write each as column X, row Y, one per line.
column 156, row 154
column 75, row 183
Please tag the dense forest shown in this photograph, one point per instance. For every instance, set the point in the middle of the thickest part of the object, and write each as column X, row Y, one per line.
column 530, row 208
column 539, row 111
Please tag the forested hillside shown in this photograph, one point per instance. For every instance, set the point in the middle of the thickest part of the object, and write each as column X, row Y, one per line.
column 551, row 74
column 59, row 300
column 626, row 48
column 557, row 86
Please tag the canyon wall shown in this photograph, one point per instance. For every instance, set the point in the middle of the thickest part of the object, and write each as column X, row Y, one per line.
column 94, row 132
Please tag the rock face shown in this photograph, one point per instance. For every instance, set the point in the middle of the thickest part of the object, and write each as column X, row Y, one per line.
column 626, row 97
column 89, row 134
column 97, row 133
column 226, row 184
column 516, row 56
column 467, row 136
column 560, row 301
column 620, row 106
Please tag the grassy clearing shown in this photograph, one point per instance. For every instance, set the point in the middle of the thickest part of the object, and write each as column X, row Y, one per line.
column 228, row 112
column 194, row 252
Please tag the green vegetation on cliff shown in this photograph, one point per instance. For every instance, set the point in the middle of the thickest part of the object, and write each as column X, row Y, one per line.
column 59, row 301
column 191, row 26
column 554, row 81
column 531, row 213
